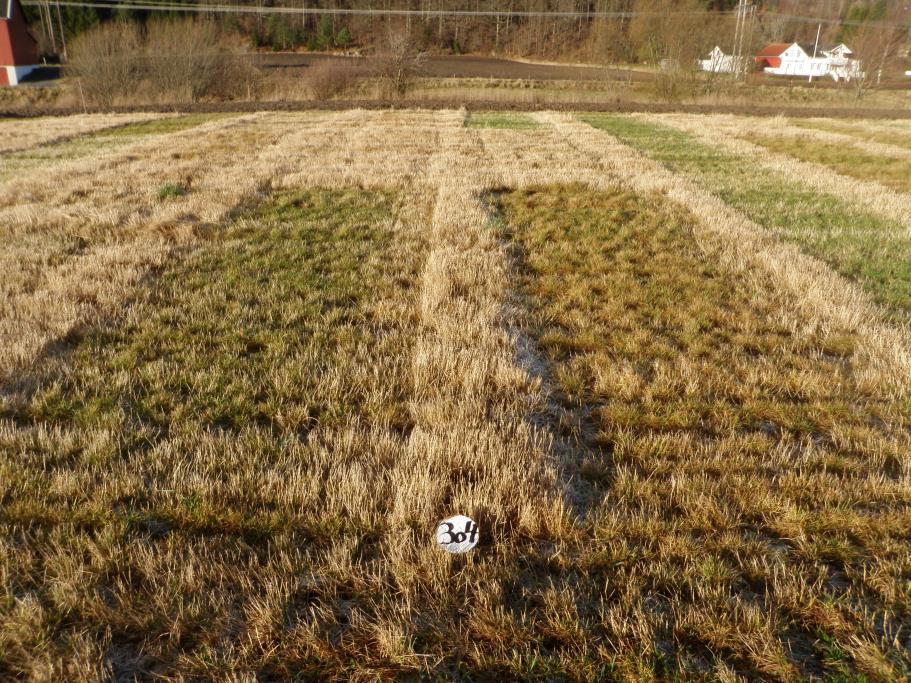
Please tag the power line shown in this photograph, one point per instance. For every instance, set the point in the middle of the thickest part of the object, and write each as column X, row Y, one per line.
column 165, row 6
column 153, row 5
column 838, row 22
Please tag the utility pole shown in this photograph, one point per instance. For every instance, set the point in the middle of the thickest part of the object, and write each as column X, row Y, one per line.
column 746, row 12
column 815, row 49
column 749, row 43
column 62, row 37
column 48, row 24
column 738, row 38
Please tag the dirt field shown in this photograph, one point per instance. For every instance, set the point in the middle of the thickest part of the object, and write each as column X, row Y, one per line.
column 462, row 66
column 474, row 66
column 473, row 104
column 249, row 361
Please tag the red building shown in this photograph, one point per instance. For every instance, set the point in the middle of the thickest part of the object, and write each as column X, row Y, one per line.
column 770, row 55
column 18, row 50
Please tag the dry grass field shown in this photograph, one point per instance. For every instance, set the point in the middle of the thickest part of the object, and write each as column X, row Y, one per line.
column 248, row 363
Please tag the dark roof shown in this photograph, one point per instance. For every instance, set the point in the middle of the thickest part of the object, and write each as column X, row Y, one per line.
column 809, row 47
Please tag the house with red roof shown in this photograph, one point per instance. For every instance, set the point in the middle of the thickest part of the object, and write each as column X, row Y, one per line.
column 807, row 60
column 18, row 49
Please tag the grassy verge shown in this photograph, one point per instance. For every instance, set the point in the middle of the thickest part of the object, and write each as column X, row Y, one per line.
column 501, row 120
column 874, row 251
column 849, row 161
column 859, row 129
column 737, row 485
column 200, row 469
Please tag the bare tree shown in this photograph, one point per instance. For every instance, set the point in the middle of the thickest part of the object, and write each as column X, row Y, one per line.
column 106, row 61
column 876, row 47
column 168, row 61
column 672, row 35
column 399, row 62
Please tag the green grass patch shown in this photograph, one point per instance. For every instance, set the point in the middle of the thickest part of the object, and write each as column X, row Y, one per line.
column 197, row 448
column 496, row 119
column 686, row 411
column 874, row 251
column 284, row 281
column 170, row 190
column 167, row 124
column 271, row 326
column 847, row 160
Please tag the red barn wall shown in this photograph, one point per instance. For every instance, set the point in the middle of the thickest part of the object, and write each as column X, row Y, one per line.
column 17, row 47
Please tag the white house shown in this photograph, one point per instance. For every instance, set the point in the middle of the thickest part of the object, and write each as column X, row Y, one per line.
column 797, row 59
column 720, row 63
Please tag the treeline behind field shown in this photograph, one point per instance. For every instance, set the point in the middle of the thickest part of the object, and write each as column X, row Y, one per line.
column 698, row 24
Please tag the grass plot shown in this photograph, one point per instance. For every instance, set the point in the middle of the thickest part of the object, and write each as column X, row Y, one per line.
column 220, row 459
column 22, row 133
column 745, row 505
column 850, row 161
column 872, row 250
column 885, row 132
column 493, row 119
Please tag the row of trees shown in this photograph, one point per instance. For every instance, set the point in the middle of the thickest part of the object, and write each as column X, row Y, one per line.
column 189, row 59
column 643, row 37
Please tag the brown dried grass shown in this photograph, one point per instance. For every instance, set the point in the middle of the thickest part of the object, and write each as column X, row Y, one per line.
column 20, row 134
column 301, row 542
